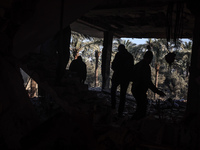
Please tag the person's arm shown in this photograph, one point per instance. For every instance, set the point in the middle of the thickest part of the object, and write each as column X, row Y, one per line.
column 71, row 66
column 152, row 86
column 156, row 90
column 85, row 72
column 115, row 61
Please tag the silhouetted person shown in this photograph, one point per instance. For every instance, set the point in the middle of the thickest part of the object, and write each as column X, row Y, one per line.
column 80, row 68
column 121, row 65
column 141, row 78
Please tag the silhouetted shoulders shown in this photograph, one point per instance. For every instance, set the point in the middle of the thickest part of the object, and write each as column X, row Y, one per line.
column 73, row 66
column 141, row 75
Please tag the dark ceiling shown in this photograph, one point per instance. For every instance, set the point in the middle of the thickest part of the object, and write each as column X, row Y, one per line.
column 138, row 19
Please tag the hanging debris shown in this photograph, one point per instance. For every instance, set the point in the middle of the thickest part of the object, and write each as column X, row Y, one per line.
column 170, row 57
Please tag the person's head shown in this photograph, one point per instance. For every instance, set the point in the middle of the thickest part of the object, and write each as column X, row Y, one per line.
column 148, row 56
column 79, row 58
column 148, row 47
column 121, row 48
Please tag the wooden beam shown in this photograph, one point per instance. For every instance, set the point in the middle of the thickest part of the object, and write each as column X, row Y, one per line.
column 193, row 103
column 96, row 24
column 63, row 51
column 106, row 58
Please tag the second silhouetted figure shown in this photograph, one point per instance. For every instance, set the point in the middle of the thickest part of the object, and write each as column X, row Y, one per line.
column 141, row 77
column 121, row 65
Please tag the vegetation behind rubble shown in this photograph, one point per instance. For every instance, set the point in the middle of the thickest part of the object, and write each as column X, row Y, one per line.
column 173, row 79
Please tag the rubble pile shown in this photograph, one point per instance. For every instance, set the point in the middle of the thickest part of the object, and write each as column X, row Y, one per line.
column 161, row 129
column 92, row 112
column 71, row 116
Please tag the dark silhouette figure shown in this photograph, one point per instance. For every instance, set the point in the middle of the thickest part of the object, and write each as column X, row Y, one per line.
column 141, row 77
column 121, row 65
column 80, row 68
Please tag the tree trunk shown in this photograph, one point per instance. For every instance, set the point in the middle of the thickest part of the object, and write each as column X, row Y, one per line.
column 75, row 53
column 187, row 69
column 157, row 67
column 96, row 67
column 106, row 58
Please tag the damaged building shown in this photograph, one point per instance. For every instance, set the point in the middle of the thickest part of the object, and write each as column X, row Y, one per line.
column 35, row 36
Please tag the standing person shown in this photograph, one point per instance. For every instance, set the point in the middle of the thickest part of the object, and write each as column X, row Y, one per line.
column 80, row 68
column 141, row 78
column 121, row 65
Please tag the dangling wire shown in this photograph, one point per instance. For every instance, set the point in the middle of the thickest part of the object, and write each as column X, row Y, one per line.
column 61, row 14
column 169, row 22
column 178, row 29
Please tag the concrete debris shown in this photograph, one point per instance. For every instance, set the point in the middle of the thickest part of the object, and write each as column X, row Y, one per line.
column 17, row 114
column 94, row 122
column 73, row 117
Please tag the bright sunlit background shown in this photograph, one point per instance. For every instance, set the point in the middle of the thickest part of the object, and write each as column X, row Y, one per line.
column 143, row 40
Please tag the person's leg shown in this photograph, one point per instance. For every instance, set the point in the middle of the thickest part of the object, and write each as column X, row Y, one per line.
column 123, row 89
column 113, row 94
column 141, row 109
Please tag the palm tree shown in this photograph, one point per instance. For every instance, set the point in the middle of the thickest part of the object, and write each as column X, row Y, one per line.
column 188, row 48
column 159, row 49
column 88, row 46
column 97, row 54
column 149, row 42
column 91, row 47
column 77, row 43
column 137, row 52
column 127, row 43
